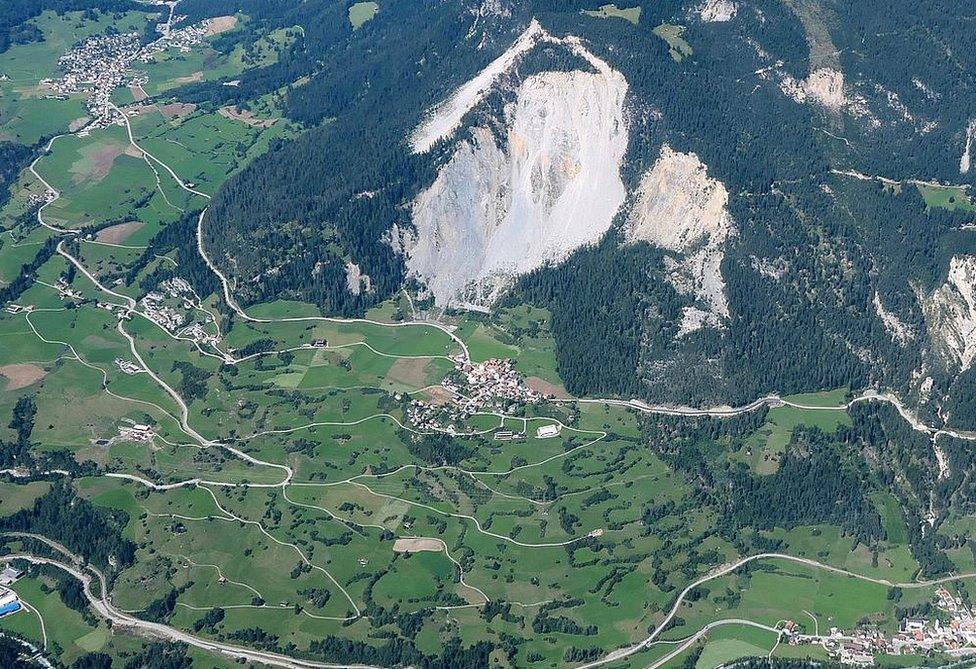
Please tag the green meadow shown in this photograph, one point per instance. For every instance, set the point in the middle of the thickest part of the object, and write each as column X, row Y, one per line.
column 631, row 14
column 678, row 48
column 362, row 12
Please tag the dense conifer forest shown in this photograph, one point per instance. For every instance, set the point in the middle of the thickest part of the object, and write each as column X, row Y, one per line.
column 339, row 192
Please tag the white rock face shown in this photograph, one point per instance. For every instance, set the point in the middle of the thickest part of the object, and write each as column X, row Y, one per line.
column 965, row 159
column 824, row 87
column 951, row 313
column 356, row 281
column 717, row 11
column 498, row 210
column 445, row 118
column 900, row 331
column 678, row 207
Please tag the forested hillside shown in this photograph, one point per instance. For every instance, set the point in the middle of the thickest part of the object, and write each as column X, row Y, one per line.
column 793, row 107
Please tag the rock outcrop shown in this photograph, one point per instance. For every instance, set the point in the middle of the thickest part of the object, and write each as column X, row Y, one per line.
column 951, row 314
column 717, row 11
column 501, row 207
column 678, row 207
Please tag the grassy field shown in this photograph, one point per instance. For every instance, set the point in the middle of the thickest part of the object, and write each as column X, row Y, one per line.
column 764, row 448
column 952, row 198
column 328, row 414
column 361, row 12
column 14, row 497
column 728, row 644
column 631, row 14
column 678, row 48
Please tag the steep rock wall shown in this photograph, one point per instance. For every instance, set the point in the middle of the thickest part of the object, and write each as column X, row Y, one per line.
column 678, row 207
column 951, row 314
column 500, row 209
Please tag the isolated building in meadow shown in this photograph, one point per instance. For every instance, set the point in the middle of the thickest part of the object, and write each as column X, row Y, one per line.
column 547, row 431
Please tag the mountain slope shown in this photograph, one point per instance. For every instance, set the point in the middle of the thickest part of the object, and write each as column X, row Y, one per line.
column 499, row 209
column 760, row 208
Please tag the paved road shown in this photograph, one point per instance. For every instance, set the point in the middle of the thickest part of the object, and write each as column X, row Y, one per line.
column 51, row 189
column 775, row 401
column 683, row 645
column 120, row 619
column 729, row 568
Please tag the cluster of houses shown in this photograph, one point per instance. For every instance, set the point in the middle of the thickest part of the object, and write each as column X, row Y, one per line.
column 199, row 334
column 178, row 287
column 915, row 636
column 172, row 319
column 66, row 292
column 133, row 432
column 127, row 366
column 100, row 64
column 38, row 200
column 155, row 309
column 491, row 386
column 138, row 433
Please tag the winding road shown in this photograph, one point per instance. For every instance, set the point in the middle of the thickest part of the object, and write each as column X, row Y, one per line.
column 120, row 619
column 728, row 569
column 101, row 603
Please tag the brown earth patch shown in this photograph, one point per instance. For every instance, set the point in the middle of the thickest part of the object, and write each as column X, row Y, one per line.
column 97, row 164
column 246, row 117
column 138, row 93
column 116, row 234
column 417, row 545
column 175, row 109
column 221, row 24
column 21, row 376
column 35, row 91
column 78, row 124
column 193, row 78
column 438, row 395
column 409, row 371
column 547, row 388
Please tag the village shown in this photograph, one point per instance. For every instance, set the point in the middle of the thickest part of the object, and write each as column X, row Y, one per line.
column 492, row 386
column 158, row 307
column 916, row 636
column 100, row 64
